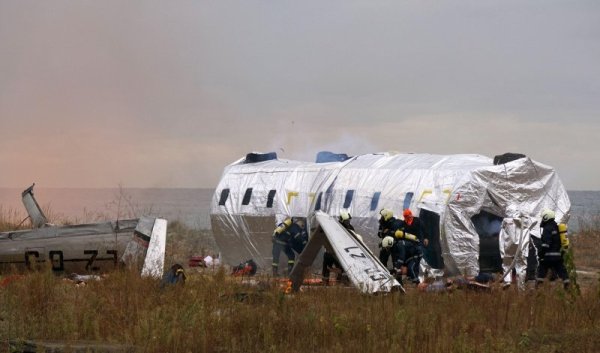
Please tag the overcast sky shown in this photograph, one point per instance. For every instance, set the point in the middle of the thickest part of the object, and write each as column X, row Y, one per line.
column 167, row 93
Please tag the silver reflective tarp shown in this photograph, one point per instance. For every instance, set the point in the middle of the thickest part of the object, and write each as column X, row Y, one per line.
column 453, row 187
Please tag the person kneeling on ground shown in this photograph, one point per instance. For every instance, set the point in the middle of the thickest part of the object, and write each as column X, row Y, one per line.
column 175, row 275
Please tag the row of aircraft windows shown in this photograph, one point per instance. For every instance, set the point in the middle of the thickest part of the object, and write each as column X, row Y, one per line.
column 347, row 200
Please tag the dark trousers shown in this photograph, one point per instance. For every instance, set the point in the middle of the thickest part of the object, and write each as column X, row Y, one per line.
column 278, row 247
column 413, row 255
column 329, row 261
column 410, row 255
column 554, row 263
column 384, row 256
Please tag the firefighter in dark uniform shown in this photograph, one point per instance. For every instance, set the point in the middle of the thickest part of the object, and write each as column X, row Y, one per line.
column 299, row 235
column 411, row 238
column 281, row 242
column 344, row 220
column 388, row 225
column 549, row 252
column 329, row 259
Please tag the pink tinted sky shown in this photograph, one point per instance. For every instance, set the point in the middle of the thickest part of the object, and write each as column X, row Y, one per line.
column 165, row 94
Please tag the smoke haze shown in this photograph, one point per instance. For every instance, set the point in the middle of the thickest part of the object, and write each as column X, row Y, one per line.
column 165, row 94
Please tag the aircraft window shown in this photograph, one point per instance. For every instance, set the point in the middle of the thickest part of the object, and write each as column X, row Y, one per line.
column 407, row 200
column 348, row 200
column 224, row 196
column 270, row 198
column 318, row 203
column 375, row 200
column 247, row 196
column 31, row 258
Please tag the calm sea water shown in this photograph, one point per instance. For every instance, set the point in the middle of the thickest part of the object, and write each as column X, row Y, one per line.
column 190, row 206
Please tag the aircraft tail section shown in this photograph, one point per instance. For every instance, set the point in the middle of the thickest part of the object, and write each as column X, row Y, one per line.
column 37, row 217
column 155, row 256
column 147, row 246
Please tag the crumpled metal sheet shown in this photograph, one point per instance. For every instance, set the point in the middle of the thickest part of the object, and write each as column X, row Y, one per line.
column 362, row 268
column 456, row 187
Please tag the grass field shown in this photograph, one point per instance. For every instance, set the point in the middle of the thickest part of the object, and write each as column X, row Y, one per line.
column 214, row 312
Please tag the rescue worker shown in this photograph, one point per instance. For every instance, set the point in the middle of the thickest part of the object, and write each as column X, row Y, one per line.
column 549, row 253
column 281, row 242
column 175, row 275
column 395, row 249
column 329, row 260
column 344, row 219
column 299, row 236
column 411, row 237
column 564, row 249
column 388, row 224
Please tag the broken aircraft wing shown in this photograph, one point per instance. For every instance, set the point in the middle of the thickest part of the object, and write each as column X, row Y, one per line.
column 363, row 269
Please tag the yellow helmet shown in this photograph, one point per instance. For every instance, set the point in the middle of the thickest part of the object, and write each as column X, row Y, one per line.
column 386, row 214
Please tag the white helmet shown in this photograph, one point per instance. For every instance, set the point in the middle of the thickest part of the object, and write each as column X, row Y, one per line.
column 344, row 215
column 387, row 242
column 386, row 214
column 547, row 215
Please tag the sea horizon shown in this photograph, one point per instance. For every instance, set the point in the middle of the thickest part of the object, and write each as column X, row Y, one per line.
column 190, row 206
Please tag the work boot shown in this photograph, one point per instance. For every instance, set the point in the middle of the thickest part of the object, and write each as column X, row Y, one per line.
column 399, row 279
column 275, row 272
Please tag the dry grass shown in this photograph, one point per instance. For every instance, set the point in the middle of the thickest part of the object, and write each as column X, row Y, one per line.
column 11, row 219
column 587, row 246
column 214, row 312
column 183, row 242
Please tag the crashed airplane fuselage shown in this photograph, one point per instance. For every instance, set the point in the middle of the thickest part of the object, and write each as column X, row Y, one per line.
column 84, row 248
column 462, row 201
